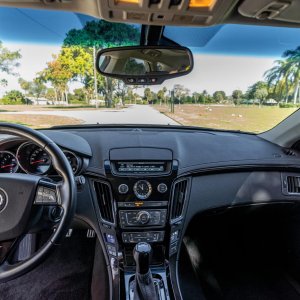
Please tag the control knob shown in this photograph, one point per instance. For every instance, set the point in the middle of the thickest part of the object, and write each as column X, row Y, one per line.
column 143, row 217
column 123, row 188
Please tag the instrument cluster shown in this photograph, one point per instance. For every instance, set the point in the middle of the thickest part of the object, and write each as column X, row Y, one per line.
column 31, row 159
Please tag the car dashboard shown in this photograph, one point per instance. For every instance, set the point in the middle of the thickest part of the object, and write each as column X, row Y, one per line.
column 147, row 183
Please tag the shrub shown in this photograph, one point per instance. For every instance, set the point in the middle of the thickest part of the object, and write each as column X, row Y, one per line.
column 288, row 105
column 13, row 97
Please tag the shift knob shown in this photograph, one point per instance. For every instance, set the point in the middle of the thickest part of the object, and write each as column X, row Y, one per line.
column 142, row 256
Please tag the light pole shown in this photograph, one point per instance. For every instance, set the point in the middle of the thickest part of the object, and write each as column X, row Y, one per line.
column 95, row 73
column 172, row 102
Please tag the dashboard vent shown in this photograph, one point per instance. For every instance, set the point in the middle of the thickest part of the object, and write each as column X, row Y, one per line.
column 105, row 201
column 179, row 197
column 293, row 185
column 289, row 152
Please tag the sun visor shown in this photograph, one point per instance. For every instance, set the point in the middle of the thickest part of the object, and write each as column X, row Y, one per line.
column 280, row 10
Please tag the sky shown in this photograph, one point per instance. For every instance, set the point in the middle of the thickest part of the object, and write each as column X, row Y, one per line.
column 34, row 58
column 226, row 57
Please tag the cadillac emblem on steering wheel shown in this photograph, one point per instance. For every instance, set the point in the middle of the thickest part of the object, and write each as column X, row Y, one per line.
column 3, row 200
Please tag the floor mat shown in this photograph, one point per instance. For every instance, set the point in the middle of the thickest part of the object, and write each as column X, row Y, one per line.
column 189, row 284
column 66, row 274
column 237, row 284
column 258, row 284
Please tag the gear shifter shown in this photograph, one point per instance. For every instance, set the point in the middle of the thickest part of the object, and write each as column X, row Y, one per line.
column 142, row 255
column 144, row 287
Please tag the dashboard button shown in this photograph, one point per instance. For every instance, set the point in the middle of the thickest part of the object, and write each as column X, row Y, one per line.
column 131, row 80
column 143, row 217
column 123, row 188
column 110, row 238
column 141, row 80
column 151, row 236
column 162, row 188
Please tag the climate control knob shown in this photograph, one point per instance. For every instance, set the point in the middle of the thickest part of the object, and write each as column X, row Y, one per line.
column 143, row 217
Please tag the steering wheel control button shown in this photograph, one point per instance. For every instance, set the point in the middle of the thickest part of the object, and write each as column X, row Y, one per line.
column 123, row 188
column 39, row 195
column 45, row 196
column 162, row 188
column 142, row 189
column 3, row 200
column 49, row 196
column 143, row 217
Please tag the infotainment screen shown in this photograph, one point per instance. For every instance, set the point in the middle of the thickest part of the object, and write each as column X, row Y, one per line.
column 141, row 167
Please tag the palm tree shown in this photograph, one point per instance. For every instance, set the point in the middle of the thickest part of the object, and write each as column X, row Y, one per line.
column 277, row 77
column 286, row 71
column 293, row 59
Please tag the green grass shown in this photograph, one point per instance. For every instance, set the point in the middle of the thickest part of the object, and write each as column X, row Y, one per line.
column 15, row 122
column 245, row 118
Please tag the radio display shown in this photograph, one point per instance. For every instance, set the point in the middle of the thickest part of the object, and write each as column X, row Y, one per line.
column 141, row 167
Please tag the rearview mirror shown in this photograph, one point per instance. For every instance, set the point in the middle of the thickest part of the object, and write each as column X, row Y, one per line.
column 144, row 65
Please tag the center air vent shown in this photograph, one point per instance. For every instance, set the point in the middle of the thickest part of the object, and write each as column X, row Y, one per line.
column 293, row 184
column 105, row 201
column 179, row 198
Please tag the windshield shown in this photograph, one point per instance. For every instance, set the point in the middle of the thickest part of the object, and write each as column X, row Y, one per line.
column 244, row 78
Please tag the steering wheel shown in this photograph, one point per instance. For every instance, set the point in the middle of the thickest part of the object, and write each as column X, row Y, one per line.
column 19, row 193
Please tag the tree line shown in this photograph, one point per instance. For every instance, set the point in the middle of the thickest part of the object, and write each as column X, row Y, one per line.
column 75, row 63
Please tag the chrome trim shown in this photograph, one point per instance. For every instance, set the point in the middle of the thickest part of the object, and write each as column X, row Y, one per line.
column 6, row 199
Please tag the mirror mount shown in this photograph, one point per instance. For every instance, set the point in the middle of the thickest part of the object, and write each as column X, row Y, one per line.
column 153, row 36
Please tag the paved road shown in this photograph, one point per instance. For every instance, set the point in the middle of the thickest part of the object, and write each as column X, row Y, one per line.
column 135, row 114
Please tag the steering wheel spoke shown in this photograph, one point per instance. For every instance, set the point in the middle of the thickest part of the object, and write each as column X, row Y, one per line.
column 5, row 249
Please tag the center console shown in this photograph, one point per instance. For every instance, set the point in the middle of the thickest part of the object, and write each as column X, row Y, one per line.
column 135, row 207
column 141, row 190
